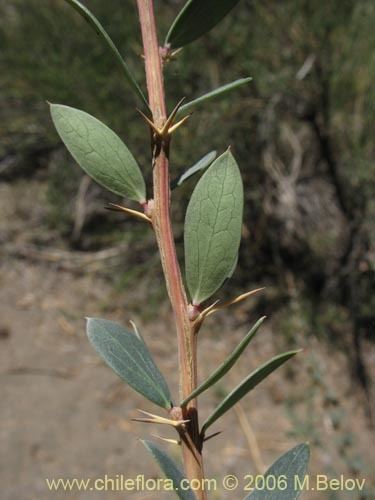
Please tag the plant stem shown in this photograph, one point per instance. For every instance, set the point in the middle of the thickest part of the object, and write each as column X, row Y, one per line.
column 186, row 336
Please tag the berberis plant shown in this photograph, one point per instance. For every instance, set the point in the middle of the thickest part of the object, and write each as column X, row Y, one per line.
column 211, row 235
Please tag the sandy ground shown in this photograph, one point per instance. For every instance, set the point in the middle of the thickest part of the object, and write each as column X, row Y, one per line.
column 64, row 414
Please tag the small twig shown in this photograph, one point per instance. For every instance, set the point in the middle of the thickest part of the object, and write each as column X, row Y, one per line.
column 251, row 439
column 65, row 259
column 23, row 370
column 80, row 207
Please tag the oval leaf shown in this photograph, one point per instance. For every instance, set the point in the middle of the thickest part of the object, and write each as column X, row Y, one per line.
column 170, row 469
column 246, row 386
column 196, row 18
column 129, row 357
column 213, row 228
column 99, row 151
column 197, row 167
column 100, row 31
column 227, row 365
column 214, row 94
column 292, row 466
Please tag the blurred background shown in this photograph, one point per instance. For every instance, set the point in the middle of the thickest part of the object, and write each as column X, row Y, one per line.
column 303, row 134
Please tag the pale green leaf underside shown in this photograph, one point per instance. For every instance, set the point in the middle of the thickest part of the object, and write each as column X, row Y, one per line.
column 196, row 18
column 213, row 94
column 197, row 167
column 247, row 385
column 100, row 31
column 213, row 228
column 170, row 470
column 227, row 365
column 99, row 152
column 292, row 465
column 129, row 357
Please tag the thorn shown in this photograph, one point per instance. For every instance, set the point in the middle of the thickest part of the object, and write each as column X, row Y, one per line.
column 212, row 436
column 156, row 419
column 129, row 211
column 175, row 52
column 240, row 298
column 167, row 440
column 217, row 307
column 178, row 124
column 199, row 320
column 171, row 117
column 167, row 128
column 207, row 310
column 168, row 54
column 150, row 122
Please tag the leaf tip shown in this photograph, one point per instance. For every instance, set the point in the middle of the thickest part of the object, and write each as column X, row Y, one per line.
column 89, row 324
column 145, row 444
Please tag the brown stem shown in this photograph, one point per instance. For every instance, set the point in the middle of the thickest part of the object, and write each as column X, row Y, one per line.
column 187, row 348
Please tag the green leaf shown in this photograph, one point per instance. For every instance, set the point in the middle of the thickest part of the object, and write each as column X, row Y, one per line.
column 129, row 357
column 227, row 365
column 286, row 475
column 170, row 470
column 200, row 165
column 100, row 31
column 246, row 386
column 196, row 18
column 99, row 151
column 214, row 94
column 213, row 228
